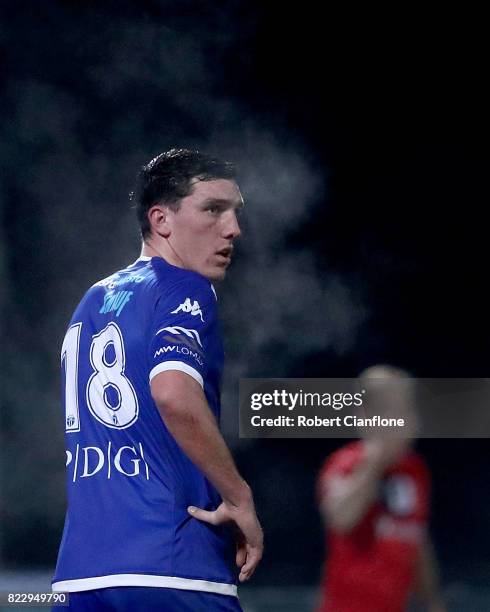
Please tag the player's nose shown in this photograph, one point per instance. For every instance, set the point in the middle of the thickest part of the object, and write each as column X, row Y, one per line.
column 231, row 227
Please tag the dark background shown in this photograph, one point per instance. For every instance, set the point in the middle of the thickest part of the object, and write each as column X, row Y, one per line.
column 362, row 142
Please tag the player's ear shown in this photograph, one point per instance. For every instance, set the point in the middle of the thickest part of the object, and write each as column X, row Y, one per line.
column 158, row 219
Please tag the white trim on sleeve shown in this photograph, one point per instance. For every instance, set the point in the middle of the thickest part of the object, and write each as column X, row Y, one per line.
column 177, row 365
column 144, row 580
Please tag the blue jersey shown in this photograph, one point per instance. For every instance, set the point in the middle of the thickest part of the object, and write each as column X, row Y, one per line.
column 129, row 483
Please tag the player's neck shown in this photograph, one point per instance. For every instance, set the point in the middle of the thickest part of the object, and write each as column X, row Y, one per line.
column 163, row 250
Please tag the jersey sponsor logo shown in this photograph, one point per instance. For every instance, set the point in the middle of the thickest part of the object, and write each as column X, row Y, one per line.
column 175, row 329
column 115, row 302
column 115, row 281
column 87, row 461
column 194, row 309
column 180, row 350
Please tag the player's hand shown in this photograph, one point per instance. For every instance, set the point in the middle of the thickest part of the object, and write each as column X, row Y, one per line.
column 250, row 540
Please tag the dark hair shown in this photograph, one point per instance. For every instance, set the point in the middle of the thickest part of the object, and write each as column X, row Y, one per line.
column 166, row 179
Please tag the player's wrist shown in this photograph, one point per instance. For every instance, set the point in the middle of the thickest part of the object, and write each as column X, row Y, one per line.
column 240, row 498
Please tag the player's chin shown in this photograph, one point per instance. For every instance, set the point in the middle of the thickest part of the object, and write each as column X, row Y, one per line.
column 219, row 275
column 216, row 273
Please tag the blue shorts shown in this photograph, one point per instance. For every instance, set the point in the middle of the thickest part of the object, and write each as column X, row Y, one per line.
column 145, row 599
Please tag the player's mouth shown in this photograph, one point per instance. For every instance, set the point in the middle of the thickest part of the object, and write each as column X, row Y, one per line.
column 224, row 255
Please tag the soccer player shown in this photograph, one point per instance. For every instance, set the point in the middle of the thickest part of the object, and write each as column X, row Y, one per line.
column 158, row 514
column 374, row 499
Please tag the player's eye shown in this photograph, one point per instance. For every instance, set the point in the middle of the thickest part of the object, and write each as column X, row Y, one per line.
column 213, row 209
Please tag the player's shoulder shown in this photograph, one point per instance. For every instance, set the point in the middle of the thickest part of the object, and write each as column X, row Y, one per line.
column 134, row 274
column 119, row 286
column 156, row 273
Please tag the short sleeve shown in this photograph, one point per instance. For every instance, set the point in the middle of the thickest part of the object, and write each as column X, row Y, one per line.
column 184, row 321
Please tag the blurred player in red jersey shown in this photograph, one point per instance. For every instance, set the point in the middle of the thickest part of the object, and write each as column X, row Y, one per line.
column 374, row 498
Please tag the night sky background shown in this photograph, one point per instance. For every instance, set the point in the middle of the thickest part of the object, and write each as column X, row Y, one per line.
column 362, row 145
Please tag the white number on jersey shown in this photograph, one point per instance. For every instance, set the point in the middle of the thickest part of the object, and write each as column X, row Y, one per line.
column 69, row 355
column 111, row 397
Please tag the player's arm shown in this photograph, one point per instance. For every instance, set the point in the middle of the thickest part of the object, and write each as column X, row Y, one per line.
column 184, row 409
column 345, row 498
column 427, row 585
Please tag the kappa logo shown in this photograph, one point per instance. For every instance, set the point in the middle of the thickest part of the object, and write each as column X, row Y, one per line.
column 191, row 333
column 194, row 309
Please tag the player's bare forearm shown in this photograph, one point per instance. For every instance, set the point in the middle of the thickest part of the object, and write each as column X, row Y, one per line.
column 186, row 414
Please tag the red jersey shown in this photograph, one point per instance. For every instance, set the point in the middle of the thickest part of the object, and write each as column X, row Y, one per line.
column 371, row 568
